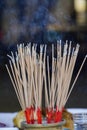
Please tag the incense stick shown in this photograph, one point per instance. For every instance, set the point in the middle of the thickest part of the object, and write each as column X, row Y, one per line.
column 30, row 72
column 76, row 77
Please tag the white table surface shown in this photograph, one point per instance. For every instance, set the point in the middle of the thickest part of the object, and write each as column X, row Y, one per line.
column 77, row 110
column 7, row 118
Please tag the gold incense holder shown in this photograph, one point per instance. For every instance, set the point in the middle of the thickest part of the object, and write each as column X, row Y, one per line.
column 43, row 126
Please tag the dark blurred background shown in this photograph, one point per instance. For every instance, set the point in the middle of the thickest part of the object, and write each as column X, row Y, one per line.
column 42, row 22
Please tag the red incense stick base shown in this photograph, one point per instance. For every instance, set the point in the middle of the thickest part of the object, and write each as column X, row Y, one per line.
column 39, row 116
column 58, row 115
column 49, row 115
column 29, row 114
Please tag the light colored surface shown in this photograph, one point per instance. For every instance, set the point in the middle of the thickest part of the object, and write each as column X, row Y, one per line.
column 76, row 110
column 11, row 128
column 7, row 118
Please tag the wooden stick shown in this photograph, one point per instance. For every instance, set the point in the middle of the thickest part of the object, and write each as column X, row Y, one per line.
column 62, row 72
column 22, row 64
column 76, row 77
column 68, row 57
column 59, row 59
column 15, row 75
column 49, row 81
column 45, row 79
column 28, row 74
column 70, row 71
column 22, row 106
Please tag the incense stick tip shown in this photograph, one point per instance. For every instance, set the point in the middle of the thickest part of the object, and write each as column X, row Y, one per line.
column 86, row 56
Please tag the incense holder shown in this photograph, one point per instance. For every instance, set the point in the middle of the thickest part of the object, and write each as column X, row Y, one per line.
column 43, row 126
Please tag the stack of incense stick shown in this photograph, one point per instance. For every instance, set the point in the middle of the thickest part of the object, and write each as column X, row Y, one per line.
column 30, row 72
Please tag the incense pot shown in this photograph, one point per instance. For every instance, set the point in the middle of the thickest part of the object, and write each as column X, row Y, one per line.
column 43, row 126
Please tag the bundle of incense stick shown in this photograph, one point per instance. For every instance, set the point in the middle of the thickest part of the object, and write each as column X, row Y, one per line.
column 29, row 72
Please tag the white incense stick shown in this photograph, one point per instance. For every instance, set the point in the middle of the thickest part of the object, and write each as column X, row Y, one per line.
column 76, row 77
column 30, row 71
